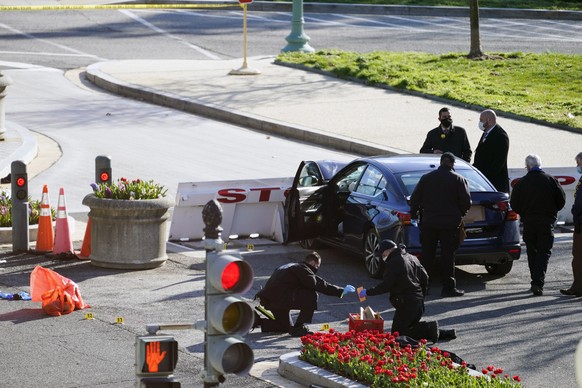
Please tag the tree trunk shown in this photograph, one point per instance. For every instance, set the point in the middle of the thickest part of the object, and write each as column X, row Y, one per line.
column 476, row 50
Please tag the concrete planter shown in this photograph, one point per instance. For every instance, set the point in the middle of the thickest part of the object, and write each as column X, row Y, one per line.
column 128, row 234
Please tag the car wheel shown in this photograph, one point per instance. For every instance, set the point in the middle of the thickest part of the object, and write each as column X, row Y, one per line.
column 374, row 263
column 310, row 244
column 499, row 269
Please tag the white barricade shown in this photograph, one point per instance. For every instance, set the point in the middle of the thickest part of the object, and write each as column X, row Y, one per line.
column 255, row 206
column 249, row 206
column 568, row 178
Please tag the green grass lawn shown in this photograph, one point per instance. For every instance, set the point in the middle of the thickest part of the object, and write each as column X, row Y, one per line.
column 534, row 4
column 546, row 87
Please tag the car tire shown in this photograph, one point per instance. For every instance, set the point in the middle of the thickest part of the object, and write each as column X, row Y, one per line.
column 499, row 269
column 310, row 244
column 373, row 261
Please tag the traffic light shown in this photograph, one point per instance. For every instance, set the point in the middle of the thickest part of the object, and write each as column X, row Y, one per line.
column 228, row 315
column 155, row 360
column 21, row 187
column 103, row 170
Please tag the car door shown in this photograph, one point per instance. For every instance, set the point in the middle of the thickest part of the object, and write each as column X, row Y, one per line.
column 362, row 206
column 306, row 201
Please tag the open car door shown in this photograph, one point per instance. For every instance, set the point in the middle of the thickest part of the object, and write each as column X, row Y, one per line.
column 305, row 205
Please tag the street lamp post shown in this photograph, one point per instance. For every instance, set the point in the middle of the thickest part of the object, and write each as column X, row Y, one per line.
column 297, row 39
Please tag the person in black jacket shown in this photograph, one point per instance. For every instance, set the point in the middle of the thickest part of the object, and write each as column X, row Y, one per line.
column 447, row 138
column 294, row 286
column 407, row 282
column 576, row 287
column 492, row 150
column 537, row 197
column 442, row 198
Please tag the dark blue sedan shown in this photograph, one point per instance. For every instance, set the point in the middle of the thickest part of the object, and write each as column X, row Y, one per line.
column 356, row 205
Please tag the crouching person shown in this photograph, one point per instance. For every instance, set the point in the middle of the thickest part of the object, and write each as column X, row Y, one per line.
column 295, row 286
column 407, row 282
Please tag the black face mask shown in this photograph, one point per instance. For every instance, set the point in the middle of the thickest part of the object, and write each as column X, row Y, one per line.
column 446, row 123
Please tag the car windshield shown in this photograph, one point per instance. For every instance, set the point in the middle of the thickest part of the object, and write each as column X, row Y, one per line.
column 477, row 183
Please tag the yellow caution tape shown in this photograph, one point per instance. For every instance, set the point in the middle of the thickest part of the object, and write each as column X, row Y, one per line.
column 110, row 6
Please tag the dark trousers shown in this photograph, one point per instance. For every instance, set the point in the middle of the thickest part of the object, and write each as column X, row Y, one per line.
column 408, row 313
column 303, row 300
column 449, row 240
column 577, row 260
column 538, row 236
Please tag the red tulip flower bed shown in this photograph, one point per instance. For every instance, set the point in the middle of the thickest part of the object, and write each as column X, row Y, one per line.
column 377, row 359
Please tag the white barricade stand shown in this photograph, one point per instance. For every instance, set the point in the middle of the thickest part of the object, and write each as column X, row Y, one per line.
column 568, row 178
column 253, row 206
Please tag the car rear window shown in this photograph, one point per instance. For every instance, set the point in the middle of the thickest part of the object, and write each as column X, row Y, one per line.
column 476, row 182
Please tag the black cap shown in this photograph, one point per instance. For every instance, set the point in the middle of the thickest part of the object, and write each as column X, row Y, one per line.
column 386, row 244
column 448, row 155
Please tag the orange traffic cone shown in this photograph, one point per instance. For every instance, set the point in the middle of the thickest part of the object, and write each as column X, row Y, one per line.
column 63, row 243
column 45, row 237
column 86, row 248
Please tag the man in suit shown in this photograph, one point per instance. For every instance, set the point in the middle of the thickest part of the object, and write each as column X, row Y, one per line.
column 447, row 138
column 537, row 198
column 491, row 153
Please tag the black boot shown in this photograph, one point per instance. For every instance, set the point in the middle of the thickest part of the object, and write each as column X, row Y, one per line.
column 425, row 330
column 447, row 334
column 299, row 331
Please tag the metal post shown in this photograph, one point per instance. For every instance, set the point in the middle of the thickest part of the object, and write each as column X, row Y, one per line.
column 297, row 39
column 4, row 82
column 19, row 197
column 212, row 217
column 244, row 70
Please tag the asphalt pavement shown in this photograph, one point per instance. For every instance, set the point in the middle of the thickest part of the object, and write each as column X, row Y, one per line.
column 74, row 351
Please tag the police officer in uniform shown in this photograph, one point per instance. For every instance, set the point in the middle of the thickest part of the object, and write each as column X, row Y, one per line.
column 295, row 286
column 407, row 282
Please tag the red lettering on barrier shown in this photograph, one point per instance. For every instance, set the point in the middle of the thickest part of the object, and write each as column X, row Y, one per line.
column 565, row 180
column 265, row 193
column 232, row 195
column 239, row 195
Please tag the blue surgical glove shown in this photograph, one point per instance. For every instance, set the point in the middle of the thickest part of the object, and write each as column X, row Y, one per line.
column 414, row 222
column 348, row 289
column 362, row 293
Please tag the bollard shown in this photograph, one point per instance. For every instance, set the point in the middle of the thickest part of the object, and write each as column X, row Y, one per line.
column 19, row 186
column 4, row 82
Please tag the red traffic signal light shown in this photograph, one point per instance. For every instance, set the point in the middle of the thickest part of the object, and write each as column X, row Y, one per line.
column 104, row 176
column 230, row 276
column 21, row 189
column 228, row 273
